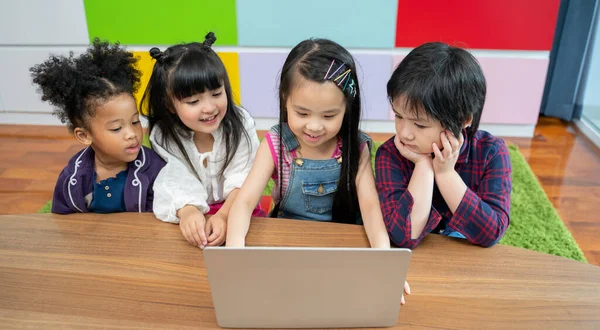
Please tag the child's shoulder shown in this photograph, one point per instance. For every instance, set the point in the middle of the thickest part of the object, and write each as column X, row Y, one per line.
column 485, row 140
column 148, row 161
column 387, row 146
column 485, row 147
column 151, row 156
column 83, row 158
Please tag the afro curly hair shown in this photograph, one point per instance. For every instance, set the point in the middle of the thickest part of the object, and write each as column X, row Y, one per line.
column 76, row 86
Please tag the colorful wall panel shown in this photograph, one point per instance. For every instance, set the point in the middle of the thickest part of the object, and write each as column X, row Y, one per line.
column 352, row 23
column 481, row 24
column 259, row 76
column 158, row 22
column 511, row 39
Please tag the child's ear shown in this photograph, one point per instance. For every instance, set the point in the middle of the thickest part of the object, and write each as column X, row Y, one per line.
column 82, row 135
column 468, row 122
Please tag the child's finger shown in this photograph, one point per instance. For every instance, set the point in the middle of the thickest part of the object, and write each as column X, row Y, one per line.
column 406, row 288
column 186, row 234
column 446, row 144
column 218, row 240
column 213, row 233
column 194, row 238
column 402, row 302
column 202, row 234
column 453, row 141
column 437, row 152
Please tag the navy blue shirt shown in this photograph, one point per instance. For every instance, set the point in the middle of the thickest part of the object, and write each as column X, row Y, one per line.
column 107, row 196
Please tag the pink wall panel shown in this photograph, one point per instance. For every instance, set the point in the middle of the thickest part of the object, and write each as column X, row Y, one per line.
column 514, row 89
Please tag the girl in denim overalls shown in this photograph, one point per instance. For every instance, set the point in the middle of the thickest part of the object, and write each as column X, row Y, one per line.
column 316, row 155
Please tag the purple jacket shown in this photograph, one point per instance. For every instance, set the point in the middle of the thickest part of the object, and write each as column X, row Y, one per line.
column 75, row 182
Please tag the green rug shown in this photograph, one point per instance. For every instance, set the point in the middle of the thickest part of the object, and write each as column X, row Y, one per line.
column 534, row 223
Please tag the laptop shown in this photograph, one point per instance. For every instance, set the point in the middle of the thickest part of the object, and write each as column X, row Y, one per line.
column 281, row 287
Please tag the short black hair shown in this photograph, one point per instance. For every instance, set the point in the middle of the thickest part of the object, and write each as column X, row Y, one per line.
column 446, row 82
column 77, row 85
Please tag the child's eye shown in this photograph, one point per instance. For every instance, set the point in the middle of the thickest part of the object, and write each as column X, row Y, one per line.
column 115, row 129
column 329, row 117
column 192, row 102
column 420, row 126
column 135, row 122
column 217, row 94
column 301, row 114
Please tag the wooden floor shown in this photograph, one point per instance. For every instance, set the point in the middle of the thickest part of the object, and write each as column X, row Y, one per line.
column 565, row 162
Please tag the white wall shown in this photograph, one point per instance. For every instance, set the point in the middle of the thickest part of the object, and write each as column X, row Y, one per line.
column 31, row 30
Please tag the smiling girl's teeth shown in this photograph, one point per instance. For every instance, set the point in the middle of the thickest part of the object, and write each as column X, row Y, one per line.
column 208, row 119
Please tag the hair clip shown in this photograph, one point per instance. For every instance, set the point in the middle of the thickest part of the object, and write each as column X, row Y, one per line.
column 345, row 77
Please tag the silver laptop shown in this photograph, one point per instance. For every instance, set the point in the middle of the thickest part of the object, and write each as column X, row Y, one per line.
column 276, row 287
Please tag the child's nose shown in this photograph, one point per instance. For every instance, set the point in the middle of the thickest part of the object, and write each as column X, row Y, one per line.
column 404, row 132
column 314, row 126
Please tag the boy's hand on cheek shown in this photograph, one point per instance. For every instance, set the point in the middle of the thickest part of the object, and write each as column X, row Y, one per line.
column 216, row 229
column 409, row 154
column 446, row 158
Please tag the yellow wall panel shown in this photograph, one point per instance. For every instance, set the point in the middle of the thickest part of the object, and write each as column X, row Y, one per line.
column 145, row 64
column 232, row 65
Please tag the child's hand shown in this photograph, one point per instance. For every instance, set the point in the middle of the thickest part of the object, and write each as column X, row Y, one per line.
column 191, row 224
column 407, row 291
column 216, row 229
column 409, row 154
column 445, row 159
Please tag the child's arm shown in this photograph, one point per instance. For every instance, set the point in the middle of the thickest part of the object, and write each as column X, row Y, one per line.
column 405, row 197
column 482, row 215
column 60, row 204
column 216, row 226
column 369, row 203
column 176, row 187
column 248, row 197
column 235, row 174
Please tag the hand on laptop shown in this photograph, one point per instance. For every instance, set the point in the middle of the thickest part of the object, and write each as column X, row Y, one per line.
column 407, row 291
column 216, row 229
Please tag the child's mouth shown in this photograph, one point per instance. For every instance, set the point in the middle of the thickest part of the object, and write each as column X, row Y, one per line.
column 312, row 137
column 209, row 119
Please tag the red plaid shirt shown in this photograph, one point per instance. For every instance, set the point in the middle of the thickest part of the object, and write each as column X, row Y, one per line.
column 483, row 214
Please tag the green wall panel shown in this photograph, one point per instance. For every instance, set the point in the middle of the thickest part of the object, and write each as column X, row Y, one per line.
column 153, row 22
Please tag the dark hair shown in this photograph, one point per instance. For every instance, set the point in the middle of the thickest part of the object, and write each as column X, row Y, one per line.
column 311, row 59
column 446, row 82
column 75, row 86
column 182, row 71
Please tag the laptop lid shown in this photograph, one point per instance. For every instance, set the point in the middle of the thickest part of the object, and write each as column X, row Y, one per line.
column 281, row 287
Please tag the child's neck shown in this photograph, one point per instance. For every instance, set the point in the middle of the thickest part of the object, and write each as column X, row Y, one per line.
column 107, row 168
column 204, row 142
column 323, row 151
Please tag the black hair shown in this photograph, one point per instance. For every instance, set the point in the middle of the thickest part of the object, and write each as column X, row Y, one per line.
column 446, row 82
column 182, row 71
column 312, row 60
column 77, row 85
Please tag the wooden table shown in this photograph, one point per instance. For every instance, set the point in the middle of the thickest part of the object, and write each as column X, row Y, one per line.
column 132, row 271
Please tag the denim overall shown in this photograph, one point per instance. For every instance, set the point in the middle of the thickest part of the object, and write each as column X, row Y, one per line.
column 312, row 183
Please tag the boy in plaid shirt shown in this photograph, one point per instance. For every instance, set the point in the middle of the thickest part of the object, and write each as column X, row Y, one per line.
column 439, row 173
